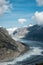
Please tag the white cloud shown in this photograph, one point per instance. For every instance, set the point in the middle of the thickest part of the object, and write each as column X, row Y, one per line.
column 21, row 21
column 4, row 6
column 39, row 2
column 38, row 17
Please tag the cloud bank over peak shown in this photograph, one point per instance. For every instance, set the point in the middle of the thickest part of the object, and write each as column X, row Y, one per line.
column 5, row 6
column 38, row 17
column 39, row 2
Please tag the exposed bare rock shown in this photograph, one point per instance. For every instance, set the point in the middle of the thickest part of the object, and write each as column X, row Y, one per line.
column 9, row 49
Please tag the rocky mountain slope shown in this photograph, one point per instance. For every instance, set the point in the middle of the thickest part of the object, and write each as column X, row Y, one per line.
column 9, row 49
column 36, row 33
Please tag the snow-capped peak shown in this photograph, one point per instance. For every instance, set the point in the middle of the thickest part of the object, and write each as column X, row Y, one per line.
column 11, row 30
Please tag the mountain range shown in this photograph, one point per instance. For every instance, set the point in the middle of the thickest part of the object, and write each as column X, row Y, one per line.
column 34, row 32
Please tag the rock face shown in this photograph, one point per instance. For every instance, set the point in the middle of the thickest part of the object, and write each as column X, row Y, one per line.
column 40, row 63
column 36, row 33
column 9, row 49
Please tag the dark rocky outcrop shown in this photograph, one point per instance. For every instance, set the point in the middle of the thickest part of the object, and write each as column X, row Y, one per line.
column 36, row 33
column 40, row 63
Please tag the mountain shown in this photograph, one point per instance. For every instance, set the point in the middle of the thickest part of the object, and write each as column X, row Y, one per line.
column 9, row 48
column 34, row 32
column 17, row 33
column 20, row 32
column 11, row 30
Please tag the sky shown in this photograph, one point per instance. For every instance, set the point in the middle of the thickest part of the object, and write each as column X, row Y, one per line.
column 19, row 13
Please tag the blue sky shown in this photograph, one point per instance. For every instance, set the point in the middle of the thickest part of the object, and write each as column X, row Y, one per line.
column 18, row 13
